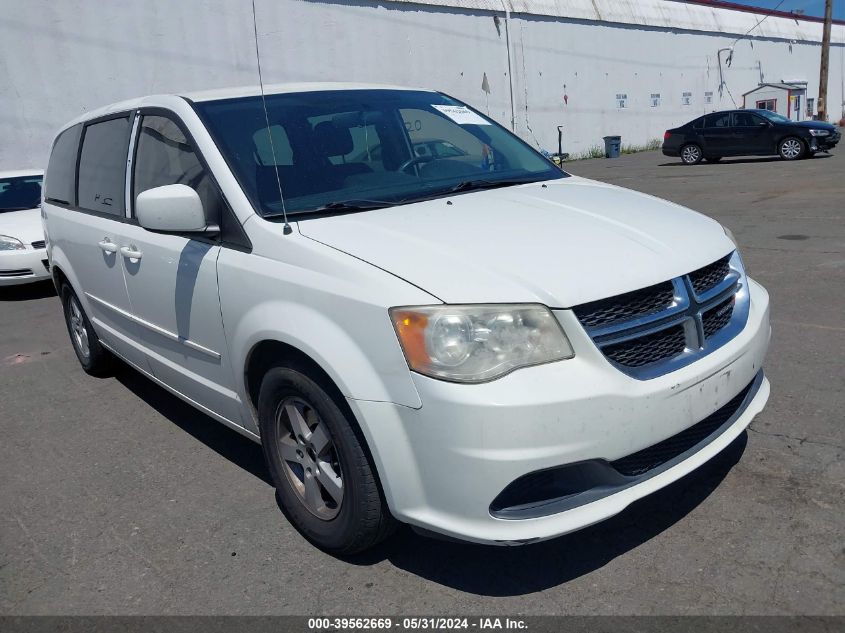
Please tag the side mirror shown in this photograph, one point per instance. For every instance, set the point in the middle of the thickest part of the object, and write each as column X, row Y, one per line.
column 172, row 209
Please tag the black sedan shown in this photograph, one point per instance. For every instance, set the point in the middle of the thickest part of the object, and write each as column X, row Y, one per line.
column 748, row 132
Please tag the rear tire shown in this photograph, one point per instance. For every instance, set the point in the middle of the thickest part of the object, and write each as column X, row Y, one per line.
column 95, row 359
column 325, row 482
column 691, row 154
column 791, row 148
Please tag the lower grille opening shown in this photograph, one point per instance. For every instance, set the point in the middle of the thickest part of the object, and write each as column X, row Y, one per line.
column 16, row 272
column 562, row 488
column 650, row 458
column 648, row 349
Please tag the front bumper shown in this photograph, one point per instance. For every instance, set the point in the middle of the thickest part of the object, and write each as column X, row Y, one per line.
column 23, row 266
column 824, row 143
column 442, row 465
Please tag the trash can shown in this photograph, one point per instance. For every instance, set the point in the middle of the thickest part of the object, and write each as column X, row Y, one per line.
column 612, row 146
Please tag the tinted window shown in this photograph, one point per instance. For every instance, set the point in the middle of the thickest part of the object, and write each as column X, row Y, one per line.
column 746, row 119
column 376, row 146
column 20, row 193
column 61, row 170
column 165, row 156
column 102, row 166
column 698, row 123
column 719, row 119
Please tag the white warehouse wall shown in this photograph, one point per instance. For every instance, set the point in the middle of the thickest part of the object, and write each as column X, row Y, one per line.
column 565, row 63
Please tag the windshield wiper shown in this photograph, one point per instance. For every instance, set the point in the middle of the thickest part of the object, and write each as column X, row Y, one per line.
column 471, row 185
column 345, row 206
column 350, row 205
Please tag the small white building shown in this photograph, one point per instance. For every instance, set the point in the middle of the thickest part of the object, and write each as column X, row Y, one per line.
column 788, row 99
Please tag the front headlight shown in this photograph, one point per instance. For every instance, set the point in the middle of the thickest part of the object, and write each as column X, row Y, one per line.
column 819, row 132
column 8, row 243
column 478, row 343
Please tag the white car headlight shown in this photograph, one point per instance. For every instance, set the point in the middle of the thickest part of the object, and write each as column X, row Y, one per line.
column 819, row 132
column 478, row 343
column 8, row 243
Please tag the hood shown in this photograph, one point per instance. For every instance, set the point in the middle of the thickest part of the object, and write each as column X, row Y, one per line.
column 818, row 125
column 572, row 241
column 22, row 225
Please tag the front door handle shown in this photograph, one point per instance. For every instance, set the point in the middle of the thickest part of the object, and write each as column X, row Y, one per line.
column 130, row 252
column 107, row 245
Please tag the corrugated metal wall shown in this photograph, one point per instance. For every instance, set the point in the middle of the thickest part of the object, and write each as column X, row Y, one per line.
column 562, row 67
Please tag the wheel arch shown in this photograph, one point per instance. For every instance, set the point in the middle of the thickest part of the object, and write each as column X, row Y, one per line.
column 269, row 353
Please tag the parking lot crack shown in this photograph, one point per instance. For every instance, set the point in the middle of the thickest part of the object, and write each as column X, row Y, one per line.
column 800, row 440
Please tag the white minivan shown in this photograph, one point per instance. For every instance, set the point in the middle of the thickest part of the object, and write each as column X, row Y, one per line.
column 468, row 341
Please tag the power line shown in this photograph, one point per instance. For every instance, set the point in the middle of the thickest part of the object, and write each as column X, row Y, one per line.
column 759, row 22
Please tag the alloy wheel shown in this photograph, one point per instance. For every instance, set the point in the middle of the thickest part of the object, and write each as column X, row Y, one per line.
column 691, row 154
column 309, row 458
column 791, row 148
column 77, row 327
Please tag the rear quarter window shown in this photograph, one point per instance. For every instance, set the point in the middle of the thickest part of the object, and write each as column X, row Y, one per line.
column 61, row 170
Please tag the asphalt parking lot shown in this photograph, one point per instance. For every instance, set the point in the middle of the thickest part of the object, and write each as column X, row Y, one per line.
column 118, row 498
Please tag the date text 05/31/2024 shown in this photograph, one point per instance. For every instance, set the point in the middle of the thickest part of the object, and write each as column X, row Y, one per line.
column 415, row 623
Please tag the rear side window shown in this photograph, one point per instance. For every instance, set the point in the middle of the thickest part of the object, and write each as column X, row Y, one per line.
column 165, row 156
column 61, row 169
column 719, row 119
column 102, row 166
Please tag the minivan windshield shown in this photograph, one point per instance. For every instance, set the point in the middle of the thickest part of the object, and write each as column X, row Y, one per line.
column 19, row 193
column 339, row 151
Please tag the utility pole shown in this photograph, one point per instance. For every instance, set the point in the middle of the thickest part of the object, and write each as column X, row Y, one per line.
column 828, row 18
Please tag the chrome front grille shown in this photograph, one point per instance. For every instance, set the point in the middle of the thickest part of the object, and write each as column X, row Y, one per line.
column 627, row 306
column 706, row 278
column 648, row 349
column 650, row 332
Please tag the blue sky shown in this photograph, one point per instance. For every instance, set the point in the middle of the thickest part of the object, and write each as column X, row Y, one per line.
column 811, row 7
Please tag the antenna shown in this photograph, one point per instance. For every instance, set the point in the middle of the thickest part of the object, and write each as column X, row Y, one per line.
column 286, row 230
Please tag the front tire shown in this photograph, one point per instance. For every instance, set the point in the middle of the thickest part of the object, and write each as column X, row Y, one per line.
column 95, row 359
column 325, row 482
column 691, row 154
column 791, row 148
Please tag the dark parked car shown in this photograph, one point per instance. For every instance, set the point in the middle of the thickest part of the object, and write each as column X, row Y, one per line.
column 748, row 132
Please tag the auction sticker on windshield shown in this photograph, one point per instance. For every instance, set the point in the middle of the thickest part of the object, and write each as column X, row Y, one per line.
column 461, row 115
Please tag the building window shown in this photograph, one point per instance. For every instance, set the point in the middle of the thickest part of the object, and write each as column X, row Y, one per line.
column 621, row 99
column 686, row 98
column 655, row 99
column 811, row 104
column 768, row 104
column 708, row 97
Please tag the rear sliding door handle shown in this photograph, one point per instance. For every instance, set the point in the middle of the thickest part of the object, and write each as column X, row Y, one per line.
column 130, row 252
column 107, row 245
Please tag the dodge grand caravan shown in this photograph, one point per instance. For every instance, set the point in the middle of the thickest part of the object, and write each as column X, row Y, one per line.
column 479, row 345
